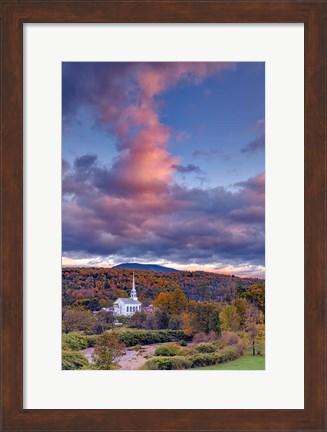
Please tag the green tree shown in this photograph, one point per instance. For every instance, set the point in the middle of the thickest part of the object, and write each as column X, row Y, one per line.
column 162, row 318
column 205, row 317
column 215, row 322
column 175, row 322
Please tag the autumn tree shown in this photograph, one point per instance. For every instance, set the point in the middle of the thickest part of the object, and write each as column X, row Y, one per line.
column 104, row 321
column 187, row 325
column 241, row 306
column 164, row 301
column 108, row 350
column 205, row 317
column 178, row 302
column 77, row 320
column 255, row 327
column 162, row 318
column 230, row 320
column 256, row 294
column 138, row 320
column 175, row 322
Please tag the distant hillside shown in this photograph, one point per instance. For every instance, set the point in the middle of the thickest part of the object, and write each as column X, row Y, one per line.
column 150, row 267
column 98, row 287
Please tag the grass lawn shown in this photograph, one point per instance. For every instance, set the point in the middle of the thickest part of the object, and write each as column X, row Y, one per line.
column 246, row 362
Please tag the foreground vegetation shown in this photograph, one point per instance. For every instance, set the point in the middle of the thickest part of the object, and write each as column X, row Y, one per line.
column 247, row 362
column 191, row 333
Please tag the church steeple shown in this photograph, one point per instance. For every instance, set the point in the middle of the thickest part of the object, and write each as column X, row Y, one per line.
column 133, row 292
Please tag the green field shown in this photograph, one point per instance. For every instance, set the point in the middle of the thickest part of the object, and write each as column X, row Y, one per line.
column 246, row 362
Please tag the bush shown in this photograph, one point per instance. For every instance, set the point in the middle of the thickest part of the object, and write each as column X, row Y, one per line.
column 73, row 360
column 74, row 342
column 167, row 363
column 91, row 341
column 91, row 366
column 183, row 343
column 229, row 338
column 222, row 356
column 140, row 337
column 204, row 337
column 199, row 337
column 205, row 347
column 135, row 348
column 187, row 351
column 167, row 350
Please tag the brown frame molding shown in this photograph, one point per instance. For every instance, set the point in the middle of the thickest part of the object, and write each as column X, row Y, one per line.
column 14, row 14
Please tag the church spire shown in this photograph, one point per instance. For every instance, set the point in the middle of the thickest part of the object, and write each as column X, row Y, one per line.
column 133, row 292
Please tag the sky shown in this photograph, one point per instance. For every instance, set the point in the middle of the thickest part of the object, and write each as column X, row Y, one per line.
column 164, row 163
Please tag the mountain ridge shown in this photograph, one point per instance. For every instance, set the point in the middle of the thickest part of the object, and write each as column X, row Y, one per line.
column 150, row 267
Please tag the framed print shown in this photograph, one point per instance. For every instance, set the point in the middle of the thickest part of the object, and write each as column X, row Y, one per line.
column 163, row 215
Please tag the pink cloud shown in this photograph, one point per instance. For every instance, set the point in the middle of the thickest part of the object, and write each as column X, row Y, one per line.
column 125, row 103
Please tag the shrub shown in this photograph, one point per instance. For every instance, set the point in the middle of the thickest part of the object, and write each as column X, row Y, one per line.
column 135, row 348
column 205, row 347
column 167, row 363
column 167, row 350
column 212, row 336
column 91, row 366
column 200, row 337
column 183, row 343
column 229, row 338
column 187, row 351
column 140, row 337
column 74, row 342
column 222, row 356
column 73, row 360
column 91, row 341
column 204, row 337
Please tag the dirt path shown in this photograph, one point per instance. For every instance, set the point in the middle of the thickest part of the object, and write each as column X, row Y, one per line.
column 132, row 359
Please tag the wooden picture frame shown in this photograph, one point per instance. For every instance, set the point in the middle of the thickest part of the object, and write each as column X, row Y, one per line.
column 14, row 15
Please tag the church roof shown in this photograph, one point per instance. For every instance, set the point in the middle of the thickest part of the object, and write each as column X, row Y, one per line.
column 129, row 301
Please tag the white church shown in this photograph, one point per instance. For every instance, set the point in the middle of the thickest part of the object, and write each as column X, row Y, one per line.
column 127, row 306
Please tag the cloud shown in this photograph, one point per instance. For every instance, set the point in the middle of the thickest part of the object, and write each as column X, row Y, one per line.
column 135, row 207
column 84, row 163
column 178, row 224
column 122, row 96
column 211, row 153
column 258, row 144
column 190, row 168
